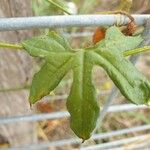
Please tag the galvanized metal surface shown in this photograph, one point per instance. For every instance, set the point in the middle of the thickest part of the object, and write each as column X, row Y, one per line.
column 58, row 115
column 61, row 143
column 7, row 24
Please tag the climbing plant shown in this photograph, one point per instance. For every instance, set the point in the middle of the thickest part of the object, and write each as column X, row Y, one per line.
column 109, row 50
column 109, row 53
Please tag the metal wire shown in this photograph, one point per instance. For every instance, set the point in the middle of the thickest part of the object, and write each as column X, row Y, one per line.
column 7, row 24
column 116, row 143
column 114, row 92
column 58, row 115
column 78, row 141
column 134, row 146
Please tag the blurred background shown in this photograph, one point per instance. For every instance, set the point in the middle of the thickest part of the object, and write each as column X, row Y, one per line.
column 17, row 69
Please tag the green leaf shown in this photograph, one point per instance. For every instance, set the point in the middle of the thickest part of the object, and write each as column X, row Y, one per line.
column 51, row 73
column 55, row 67
column 115, row 40
column 132, row 84
column 81, row 103
column 41, row 46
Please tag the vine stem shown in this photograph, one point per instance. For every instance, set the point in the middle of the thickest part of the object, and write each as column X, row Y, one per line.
column 60, row 7
column 15, row 89
column 126, row 53
column 136, row 51
column 13, row 46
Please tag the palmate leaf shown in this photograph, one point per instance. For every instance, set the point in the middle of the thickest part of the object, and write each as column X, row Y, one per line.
column 81, row 103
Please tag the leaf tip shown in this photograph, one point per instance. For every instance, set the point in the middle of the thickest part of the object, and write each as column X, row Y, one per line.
column 30, row 104
column 83, row 141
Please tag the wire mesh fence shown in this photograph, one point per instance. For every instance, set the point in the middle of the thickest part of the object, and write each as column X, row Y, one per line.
column 7, row 24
